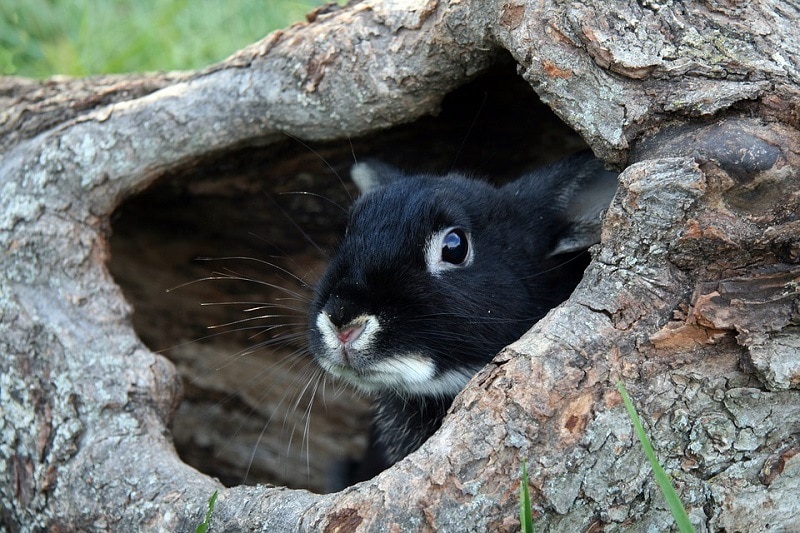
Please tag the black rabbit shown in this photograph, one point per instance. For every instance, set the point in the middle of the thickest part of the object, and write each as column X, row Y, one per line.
column 436, row 274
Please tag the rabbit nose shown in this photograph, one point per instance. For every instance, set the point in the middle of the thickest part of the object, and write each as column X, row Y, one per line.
column 343, row 312
column 351, row 333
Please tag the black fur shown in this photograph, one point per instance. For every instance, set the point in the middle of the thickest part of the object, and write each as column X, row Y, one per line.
column 458, row 320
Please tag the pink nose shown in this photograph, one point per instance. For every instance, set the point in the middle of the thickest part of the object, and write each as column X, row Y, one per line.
column 350, row 334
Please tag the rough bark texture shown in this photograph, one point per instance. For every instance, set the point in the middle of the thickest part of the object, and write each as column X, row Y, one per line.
column 692, row 299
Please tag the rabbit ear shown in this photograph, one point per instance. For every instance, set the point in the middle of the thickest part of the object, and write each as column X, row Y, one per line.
column 585, row 209
column 372, row 174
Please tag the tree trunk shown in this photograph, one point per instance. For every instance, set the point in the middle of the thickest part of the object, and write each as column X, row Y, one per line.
column 692, row 299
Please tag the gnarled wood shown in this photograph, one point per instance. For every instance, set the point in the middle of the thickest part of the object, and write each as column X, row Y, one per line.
column 691, row 299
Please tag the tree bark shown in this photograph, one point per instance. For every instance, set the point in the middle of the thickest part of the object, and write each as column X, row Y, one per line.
column 691, row 299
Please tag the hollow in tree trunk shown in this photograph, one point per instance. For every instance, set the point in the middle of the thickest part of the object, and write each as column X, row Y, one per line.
column 691, row 299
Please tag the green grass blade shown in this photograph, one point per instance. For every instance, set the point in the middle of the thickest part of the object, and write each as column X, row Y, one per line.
column 81, row 37
column 525, row 518
column 203, row 527
column 673, row 501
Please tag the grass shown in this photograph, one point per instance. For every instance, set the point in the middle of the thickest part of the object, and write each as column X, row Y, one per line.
column 40, row 38
column 525, row 517
column 662, row 479
column 673, row 501
column 206, row 523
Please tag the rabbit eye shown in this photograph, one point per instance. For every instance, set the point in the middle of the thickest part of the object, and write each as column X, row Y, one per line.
column 455, row 247
column 448, row 249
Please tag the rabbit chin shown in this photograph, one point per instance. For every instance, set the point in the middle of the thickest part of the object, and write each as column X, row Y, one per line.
column 409, row 374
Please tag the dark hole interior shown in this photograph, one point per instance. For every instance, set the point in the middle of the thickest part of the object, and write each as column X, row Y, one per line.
column 247, row 414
